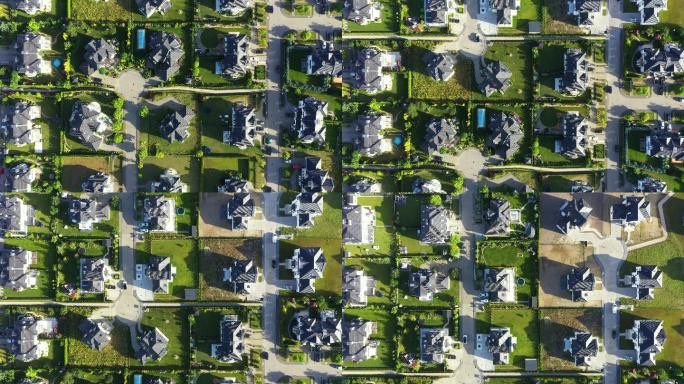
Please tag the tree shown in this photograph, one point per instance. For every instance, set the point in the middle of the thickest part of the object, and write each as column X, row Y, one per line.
column 196, row 67
column 14, row 79
column 484, row 190
column 435, row 200
column 118, row 137
column 287, row 155
column 356, row 159
column 118, row 103
column 33, row 25
column 144, row 112
column 535, row 147
column 458, row 184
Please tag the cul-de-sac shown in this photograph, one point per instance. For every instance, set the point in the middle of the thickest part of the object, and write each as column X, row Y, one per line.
column 342, row 191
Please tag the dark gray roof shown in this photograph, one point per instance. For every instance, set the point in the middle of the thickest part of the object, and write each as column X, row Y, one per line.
column 356, row 343
column 649, row 339
column 584, row 10
column 579, row 281
column 368, row 68
column 175, row 125
column 645, row 278
column 359, row 11
column 504, row 11
column 650, row 10
column 232, row 7
column 31, row 7
column 434, row 224
column 96, row 333
column 86, row 211
column 96, row 183
column 573, row 214
column 169, row 182
column 496, row 283
column 424, row 283
column 632, row 209
column 153, row 344
column 150, row 7
column 29, row 60
column 21, row 337
column 305, row 207
column 575, row 73
column 583, row 346
column 441, row 133
column 166, row 52
column 436, row 11
column 15, row 269
column 665, row 143
column 649, row 184
column 498, row 217
column 575, row 129
column 495, row 77
column 12, row 217
column 325, row 60
column 358, row 224
column 439, row 66
column 231, row 347
column 240, row 209
column 363, row 185
column 664, row 61
column 500, row 343
column 309, row 120
column 100, row 53
column 19, row 178
column 243, row 125
column 307, row 265
column 158, row 211
column 432, row 343
column 370, row 138
column 93, row 274
column 505, row 133
column 313, row 178
column 356, row 286
column 89, row 125
column 317, row 332
column 234, row 184
column 160, row 271
column 235, row 62
column 239, row 274
column 16, row 123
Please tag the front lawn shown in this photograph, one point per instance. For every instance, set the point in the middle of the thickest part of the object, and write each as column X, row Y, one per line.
column 388, row 21
column 174, row 324
column 524, row 325
column 214, row 118
column 77, row 169
column 447, row 298
column 549, row 156
column 529, row 11
column 156, row 142
column 381, row 270
column 188, row 167
column 672, row 324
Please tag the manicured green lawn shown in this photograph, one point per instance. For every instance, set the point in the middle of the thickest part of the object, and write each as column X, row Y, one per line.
column 673, row 15
column 517, row 56
column 524, row 326
column 384, row 231
column 387, row 328
column 563, row 183
column 331, row 283
column 671, row 354
column 529, row 11
column 206, row 332
column 182, row 10
column 206, row 9
column 447, row 298
column 388, row 23
column 549, row 117
column 214, row 118
column 326, row 226
column 46, row 258
column 156, row 117
column 634, row 151
column 188, row 167
column 297, row 65
column 381, row 270
column 103, row 229
column 445, row 177
column 174, row 324
column 215, row 169
column 548, row 154
column 215, row 377
column 512, row 254
column 407, row 211
column 184, row 257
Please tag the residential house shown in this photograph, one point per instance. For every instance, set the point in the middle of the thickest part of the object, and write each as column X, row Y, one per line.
column 363, row 11
column 503, row 10
column 364, row 186
column 357, row 345
column 494, row 77
column 241, row 276
column 176, row 125
column 583, row 348
column 649, row 339
column 15, row 215
column 439, row 66
column 86, row 212
column 233, row 183
column 307, row 265
column 236, row 58
column 150, row 7
column 661, row 62
column 314, row 333
column 358, row 224
column 574, row 214
column 20, row 178
column 501, row 343
column 305, row 207
column 498, row 218
column 649, row 10
column 99, row 182
column 441, row 133
column 324, row 60
column 356, row 287
column 313, row 178
column 425, row 283
column 430, row 186
column 26, row 337
column 309, row 121
column 153, row 345
column 631, row 211
column 368, row 70
column 165, row 55
column 89, row 125
column 505, row 134
column 169, row 182
column 99, row 54
column 665, row 143
column 95, row 271
column 243, row 126
column 579, row 186
column 31, row 7
column 160, row 272
column 499, row 284
column 435, row 343
column 96, row 333
column 17, row 126
column 575, row 77
column 575, row 141
column 579, row 282
column 239, row 210
column 232, row 345
column 159, row 213
column 29, row 60
column 434, row 224
column 370, row 140
column 16, row 273
column 651, row 185
column 585, row 11
column 231, row 7
column 437, row 12
column 645, row 278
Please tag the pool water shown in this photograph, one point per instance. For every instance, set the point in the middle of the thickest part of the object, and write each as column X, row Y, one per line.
column 57, row 62
column 397, row 140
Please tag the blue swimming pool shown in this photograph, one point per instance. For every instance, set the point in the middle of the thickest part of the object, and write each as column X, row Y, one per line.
column 140, row 34
column 397, row 140
column 481, row 115
column 57, row 62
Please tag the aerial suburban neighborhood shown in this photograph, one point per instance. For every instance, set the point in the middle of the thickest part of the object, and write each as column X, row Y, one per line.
column 342, row 191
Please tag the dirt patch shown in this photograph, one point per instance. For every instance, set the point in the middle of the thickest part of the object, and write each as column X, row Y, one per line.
column 649, row 229
column 557, row 260
column 76, row 169
column 557, row 21
column 559, row 324
column 217, row 254
column 212, row 218
column 598, row 221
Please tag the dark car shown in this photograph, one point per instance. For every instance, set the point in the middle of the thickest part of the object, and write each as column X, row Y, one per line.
column 614, row 334
column 269, row 8
column 465, row 339
column 608, row 89
column 273, row 263
column 264, row 355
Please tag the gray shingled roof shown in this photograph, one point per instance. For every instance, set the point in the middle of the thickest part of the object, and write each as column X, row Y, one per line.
column 441, row 133
column 324, row 60
column 175, row 126
column 100, row 53
column 161, row 272
column 356, row 343
column 425, row 283
column 631, row 210
column 494, row 77
column 370, row 139
column 16, row 123
column 232, row 7
column 93, row 274
column 240, row 274
column 307, row 265
column 368, row 69
column 356, row 286
column 574, row 214
column 29, row 60
column 235, row 63
column 89, row 125
column 314, row 332
column 20, row 178
column 439, row 66
column 575, row 141
column 15, row 269
column 240, row 209
column 96, row 333
column 505, row 133
column 309, row 120
column 158, row 212
column 165, row 54
column 150, row 7
column 579, row 281
column 96, row 183
column 154, row 345
column 575, row 72
column 498, row 217
column 85, row 212
column 243, row 126
column 231, row 346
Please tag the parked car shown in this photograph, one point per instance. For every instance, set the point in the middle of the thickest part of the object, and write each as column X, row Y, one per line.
column 465, row 339
column 273, row 263
column 608, row 89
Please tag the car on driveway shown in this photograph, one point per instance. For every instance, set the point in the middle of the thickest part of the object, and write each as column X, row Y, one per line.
column 273, row 263
column 465, row 339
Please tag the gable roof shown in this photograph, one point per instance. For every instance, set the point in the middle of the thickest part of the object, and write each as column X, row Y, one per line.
column 87, row 211
column 317, row 332
column 29, row 60
column 631, row 210
column 356, row 343
column 649, row 339
column 175, row 126
column 434, row 343
column 165, row 54
column 500, row 343
column 434, row 224
column 505, row 133
column 89, row 125
column 575, row 141
column 499, row 283
column 161, row 272
column 231, row 346
column 436, row 12
column 99, row 182
column 240, row 208
column 240, row 275
column 99, row 53
column 307, row 265
column 356, row 287
column 575, row 72
column 94, row 272
column 358, row 224
column 494, row 77
column 153, row 345
column 574, row 214
column 370, row 140
column 160, row 213
column 20, row 178
column 15, row 215
column 439, row 66
column 15, row 269
column 150, row 7
column 498, row 217
column 424, row 283
column 96, row 334
column 235, row 62
column 309, row 120
column 441, row 133
column 324, row 60
column 578, row 282
column 243, row 125
column 16, row 123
